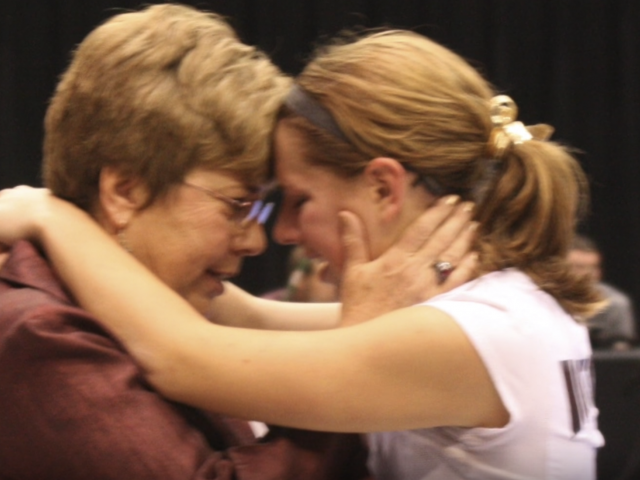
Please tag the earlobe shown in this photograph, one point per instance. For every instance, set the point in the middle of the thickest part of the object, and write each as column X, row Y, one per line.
column 120, row 198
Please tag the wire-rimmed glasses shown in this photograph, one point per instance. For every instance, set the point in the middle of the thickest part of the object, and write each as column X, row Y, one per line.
column 244, row 211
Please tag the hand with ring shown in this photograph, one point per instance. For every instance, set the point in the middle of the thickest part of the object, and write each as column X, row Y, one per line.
column 431, row 258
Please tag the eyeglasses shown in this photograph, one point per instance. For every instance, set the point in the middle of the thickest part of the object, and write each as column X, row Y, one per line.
column 245, row 211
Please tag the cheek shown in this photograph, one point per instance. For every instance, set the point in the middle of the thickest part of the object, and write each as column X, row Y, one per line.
column 195, row 243
column 321, row 234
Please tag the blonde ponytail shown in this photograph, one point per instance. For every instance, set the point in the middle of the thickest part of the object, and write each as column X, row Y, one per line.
column 528, row 221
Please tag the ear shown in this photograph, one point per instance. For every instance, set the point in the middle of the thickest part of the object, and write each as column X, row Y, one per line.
column 388, row 183
column 120, row 197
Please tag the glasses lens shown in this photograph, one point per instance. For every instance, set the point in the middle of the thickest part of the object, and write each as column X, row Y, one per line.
column 260, row 212
column 255, row 210
column 264, row 214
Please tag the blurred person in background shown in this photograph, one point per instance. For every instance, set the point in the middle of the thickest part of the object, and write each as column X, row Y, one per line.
column 305, row 281
column 614, row 326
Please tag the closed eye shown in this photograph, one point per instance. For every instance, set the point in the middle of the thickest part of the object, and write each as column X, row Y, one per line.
column 294, row 202
column 299, row 202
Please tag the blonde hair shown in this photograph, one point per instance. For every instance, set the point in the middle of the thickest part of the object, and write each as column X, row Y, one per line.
column 156, row 93
column 401, row 95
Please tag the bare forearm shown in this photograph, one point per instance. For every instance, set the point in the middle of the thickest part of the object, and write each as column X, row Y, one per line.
column 237, row 308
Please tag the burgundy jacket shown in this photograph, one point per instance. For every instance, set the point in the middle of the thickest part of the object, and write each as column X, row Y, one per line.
column 75, row 406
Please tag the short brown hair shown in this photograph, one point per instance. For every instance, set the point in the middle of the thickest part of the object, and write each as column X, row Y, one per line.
column 156, row 93
column 401, row 95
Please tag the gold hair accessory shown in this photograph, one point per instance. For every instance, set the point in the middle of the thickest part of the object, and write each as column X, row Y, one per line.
column 507, row 131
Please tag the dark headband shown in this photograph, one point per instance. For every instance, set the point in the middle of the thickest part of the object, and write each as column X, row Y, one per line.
column 303, row 104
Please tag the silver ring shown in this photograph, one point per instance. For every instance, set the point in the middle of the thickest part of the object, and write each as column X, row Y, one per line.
column 443, row 270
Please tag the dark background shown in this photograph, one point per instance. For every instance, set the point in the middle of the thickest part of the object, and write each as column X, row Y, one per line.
column 574, row 64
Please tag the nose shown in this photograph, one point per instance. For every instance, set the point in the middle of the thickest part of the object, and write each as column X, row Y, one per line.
column 285, row 230
column 251, row 241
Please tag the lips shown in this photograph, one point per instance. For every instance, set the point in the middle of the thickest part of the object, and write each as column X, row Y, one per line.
column 221, row 276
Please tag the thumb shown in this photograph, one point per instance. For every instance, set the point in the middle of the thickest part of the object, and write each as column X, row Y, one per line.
column 353, row 242
column 4, row 253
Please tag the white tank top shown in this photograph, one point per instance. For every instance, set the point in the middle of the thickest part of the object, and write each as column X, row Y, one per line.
column 539, row 360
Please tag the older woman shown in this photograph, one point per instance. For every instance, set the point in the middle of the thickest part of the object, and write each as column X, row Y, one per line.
column 490, row 380
column 159, row 130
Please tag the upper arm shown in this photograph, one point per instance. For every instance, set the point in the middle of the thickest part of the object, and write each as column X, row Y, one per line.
column 408, row 369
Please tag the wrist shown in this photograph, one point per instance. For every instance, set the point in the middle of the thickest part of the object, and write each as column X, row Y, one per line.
column 55, row 217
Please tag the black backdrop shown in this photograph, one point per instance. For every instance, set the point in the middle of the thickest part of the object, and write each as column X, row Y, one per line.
column 572, row 63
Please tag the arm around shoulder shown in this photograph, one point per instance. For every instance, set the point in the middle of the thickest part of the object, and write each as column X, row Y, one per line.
column 413, row 368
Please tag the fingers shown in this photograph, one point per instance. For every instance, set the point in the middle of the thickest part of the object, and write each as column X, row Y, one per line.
column 451, row 239
column 422, row 229
column 353, row 240
column 463, row 237
column 20, row 210
column 466, row 269
column 4, row 252
column 21, row 189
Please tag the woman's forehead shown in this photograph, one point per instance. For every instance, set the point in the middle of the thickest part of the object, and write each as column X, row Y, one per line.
column 220, row 178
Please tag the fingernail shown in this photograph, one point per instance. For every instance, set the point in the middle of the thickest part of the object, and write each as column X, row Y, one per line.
column 473, row 226
column 468, row 207
column 451, row 200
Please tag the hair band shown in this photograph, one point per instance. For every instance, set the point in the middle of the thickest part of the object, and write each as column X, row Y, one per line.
column 303, row 104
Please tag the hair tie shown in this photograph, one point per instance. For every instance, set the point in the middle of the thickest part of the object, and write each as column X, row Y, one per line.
column 507, row 131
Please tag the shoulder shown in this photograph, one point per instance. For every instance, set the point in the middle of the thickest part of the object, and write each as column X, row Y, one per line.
column 613, row 294
column 34, row 301
column 507, row 316
column 508, row 294
column 36, row 325
column 31, row 311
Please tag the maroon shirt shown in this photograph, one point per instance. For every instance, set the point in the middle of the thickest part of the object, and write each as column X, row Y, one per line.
column 74, row 405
